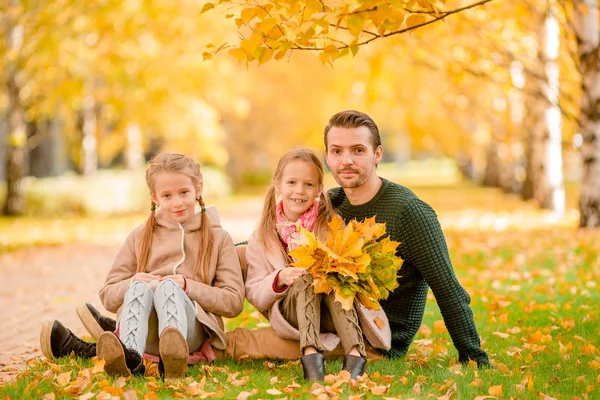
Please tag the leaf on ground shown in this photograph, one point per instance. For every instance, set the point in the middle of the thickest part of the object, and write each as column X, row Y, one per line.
column 98, row 366
column 495, row 390
column 244, row 395
column 120, row 382
column 49, row 396
column 130, row 394
column 90, row 395
column 104, row 396
column 503, row 335
column 274, row 392
column 439, row 327
column 64, row 378
column 273, row 380
column 417, row 388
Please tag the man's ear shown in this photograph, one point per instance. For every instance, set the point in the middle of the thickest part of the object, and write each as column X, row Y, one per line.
column 378, row 154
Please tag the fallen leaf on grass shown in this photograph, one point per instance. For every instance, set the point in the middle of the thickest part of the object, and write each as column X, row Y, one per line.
column 98, row 366
column 104, row 396
column 495, row 390
column 130, row 394
column 274, row 392
column 417, row 388
column 245, row 395
column 273, row 380
column 49, row 396
column 439, row 327
column 64, row 378
column 503, row 335
column 90, row 395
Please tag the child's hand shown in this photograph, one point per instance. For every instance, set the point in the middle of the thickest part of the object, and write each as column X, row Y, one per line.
column 145, row 277
column 288, row 276
column 179, row 279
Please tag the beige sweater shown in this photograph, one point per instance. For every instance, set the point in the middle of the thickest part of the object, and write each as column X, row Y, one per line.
column 174, row 251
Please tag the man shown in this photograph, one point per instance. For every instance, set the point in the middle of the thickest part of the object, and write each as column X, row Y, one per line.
column 353, row 151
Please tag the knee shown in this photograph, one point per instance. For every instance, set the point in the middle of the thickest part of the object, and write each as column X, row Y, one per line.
column 140, row 286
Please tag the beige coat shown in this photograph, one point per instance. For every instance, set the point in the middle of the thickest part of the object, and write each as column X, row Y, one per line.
column 174, row 251
column 263, row 267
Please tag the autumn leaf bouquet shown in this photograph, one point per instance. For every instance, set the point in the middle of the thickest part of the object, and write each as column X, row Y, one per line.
column 352, row 261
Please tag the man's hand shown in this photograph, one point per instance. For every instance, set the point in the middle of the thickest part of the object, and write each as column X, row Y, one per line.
column 179, row 279
column 288, row 276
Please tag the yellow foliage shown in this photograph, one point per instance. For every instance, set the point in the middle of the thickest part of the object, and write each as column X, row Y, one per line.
column 351, row 261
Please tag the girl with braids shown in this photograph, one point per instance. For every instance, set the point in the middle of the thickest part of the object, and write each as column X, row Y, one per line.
column 285, row 294
column 173, row 279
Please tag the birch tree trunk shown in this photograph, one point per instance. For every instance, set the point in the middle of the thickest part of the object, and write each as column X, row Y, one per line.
column 17, row 131
column 89, row 153
column 134, row 154
column 588, row 38
column 552, row 196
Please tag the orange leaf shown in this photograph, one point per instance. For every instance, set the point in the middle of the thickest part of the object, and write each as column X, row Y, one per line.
column 495, row 390
column 439, row 327
column 379, row 322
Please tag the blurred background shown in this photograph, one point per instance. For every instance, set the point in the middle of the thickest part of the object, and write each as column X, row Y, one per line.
column 491, row 95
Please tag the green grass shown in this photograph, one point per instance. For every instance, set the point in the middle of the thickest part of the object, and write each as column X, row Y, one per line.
column 533, row 283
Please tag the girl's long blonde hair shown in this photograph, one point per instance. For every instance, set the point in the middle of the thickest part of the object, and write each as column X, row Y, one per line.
column 268, row 238
column 181, row 164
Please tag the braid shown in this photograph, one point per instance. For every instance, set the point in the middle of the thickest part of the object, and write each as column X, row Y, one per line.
column 206, row 244
column 147, row 235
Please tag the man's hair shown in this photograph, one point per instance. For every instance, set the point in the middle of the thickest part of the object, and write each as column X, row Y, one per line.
column 354, row 119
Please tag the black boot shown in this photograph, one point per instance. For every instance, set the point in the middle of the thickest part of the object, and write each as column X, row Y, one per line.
column 95, row 322
column 119, row 360
column 356, row 365
column 56, row 341
column 313, row 366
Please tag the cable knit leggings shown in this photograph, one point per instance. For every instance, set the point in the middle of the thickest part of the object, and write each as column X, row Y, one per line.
column 146, row 313
column 301, row 307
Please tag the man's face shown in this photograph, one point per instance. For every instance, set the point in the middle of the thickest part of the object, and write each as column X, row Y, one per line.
column 350, row 156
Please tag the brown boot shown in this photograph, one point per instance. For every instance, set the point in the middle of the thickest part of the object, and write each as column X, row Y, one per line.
column 56, row 341
column 174, row 353
column 118, row 359
column 313, row 366
column 356, row 365
column 94, row 322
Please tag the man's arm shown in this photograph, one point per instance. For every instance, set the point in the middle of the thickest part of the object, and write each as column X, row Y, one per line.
column 424, row 246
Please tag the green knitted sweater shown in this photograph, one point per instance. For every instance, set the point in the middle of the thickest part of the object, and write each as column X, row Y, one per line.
column 414, row 224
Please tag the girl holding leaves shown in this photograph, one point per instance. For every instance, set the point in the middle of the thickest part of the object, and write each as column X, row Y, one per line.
column 284, row 294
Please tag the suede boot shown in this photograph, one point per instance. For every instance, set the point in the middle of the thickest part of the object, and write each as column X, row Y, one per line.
column 313, row 366
column 174, row 353
column 94, row 322
column 56, row 341
column 119, row 360
column 356, row 365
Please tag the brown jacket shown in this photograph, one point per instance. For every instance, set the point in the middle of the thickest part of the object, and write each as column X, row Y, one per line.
column 174, row 251
column 263, row 267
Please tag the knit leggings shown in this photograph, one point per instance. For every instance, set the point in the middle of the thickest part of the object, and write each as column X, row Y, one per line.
column 301, row 307
column 146, row 313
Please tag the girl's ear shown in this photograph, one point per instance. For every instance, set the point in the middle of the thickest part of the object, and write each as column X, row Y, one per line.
column 199, row 188
column 154, row 198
